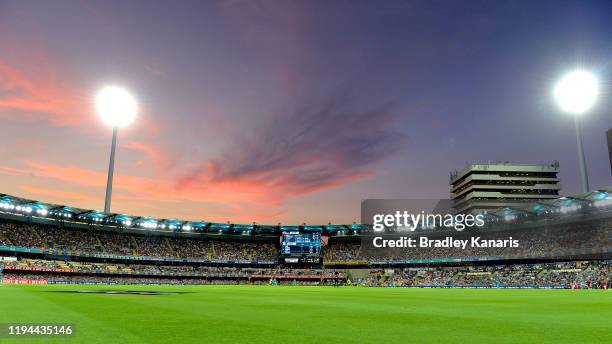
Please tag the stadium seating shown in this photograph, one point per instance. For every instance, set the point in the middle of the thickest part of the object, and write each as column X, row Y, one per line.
column 554, row 253
column 567, row 275
column 55, row 238
column 561, row 240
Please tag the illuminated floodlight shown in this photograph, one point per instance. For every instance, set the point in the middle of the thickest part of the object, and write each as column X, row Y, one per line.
column 149, row 225
column 116, row 106
column 576, row 92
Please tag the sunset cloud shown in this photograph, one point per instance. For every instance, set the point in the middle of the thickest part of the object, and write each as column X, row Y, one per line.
column 160, row 158
column 319, row 146
column 231, row 191
column 54, row 194
column 41, row 95
column 231, row 200
column 47, row 93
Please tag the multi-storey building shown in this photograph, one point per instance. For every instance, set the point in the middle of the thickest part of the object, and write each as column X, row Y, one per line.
column 481, row 187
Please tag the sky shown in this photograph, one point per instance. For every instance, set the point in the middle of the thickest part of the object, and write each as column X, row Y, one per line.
column 291, row 111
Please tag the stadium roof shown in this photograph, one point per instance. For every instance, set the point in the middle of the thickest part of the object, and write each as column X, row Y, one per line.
column 25, row 207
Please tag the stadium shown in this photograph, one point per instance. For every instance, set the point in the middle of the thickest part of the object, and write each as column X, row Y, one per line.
column 305, row 171
column 313, row 275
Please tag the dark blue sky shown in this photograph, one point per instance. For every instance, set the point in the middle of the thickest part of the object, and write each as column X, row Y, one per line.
column 292, row 111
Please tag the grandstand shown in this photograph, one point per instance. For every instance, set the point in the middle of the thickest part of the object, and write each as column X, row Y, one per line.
column 567, row 244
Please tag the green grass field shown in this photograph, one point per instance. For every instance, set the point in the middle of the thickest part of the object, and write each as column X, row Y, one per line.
column 245, row 314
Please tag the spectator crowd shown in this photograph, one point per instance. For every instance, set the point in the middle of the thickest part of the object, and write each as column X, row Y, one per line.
column 594, row 274
column 124, row 244
column 569, row 275
column 548, row 241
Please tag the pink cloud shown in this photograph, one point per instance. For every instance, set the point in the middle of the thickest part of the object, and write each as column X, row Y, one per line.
column 43, row 91
column 319, row 146
column 235, row 200
column 40, row 95
column 161, row 159
column 227, row 191
column 48, row 194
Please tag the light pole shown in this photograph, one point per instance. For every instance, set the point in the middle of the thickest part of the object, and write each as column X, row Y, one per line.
column 117, row 109
column 576, row 93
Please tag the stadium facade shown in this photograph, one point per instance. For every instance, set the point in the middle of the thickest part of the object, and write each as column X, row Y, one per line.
column 485, row 187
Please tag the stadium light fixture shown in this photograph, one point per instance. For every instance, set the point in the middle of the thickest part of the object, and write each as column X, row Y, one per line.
column 117, row 108
column 576, row 93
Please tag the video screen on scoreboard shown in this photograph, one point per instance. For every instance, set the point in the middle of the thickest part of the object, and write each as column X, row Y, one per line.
column 300, row 244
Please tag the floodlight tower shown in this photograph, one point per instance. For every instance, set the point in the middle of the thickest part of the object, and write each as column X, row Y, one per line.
column 576, row 93
column 117, row 109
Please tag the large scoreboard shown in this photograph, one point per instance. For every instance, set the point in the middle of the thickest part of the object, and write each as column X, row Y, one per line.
column 301, row 248
column 299, row 243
